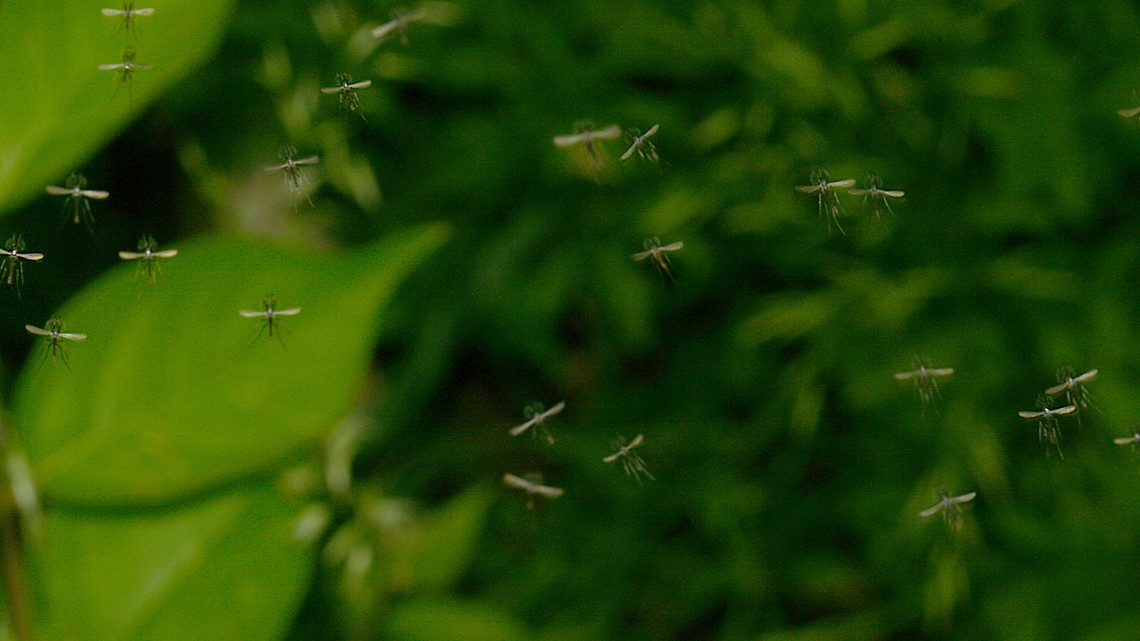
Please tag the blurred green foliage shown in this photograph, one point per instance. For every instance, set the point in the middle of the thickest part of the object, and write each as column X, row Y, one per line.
column 347, row 487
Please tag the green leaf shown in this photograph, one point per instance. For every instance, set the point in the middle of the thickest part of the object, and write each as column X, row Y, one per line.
column 58, row 106
column 224, row 568
column 174, row 392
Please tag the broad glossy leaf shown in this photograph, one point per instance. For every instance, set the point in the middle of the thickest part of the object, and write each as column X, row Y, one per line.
column 174, row 392
column 224, row 568
column 58, row 105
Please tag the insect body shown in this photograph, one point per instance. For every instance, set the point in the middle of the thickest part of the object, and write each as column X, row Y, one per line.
column 640, row 144
column 536, row 417
column 125, row 68
column 127, row 13
column 292, row 168
column 878, row 196
column 1048, row 427
column 587, row 137
column 12, row 269
column 925, row 379
column 829, row 206
column 270, row 314
column 148, row 254
column 349, row 100
column 631, row 461
column 55, row 335
column 655, row 250
column 949, row 506
column 1073, row 387
column 532, row 485
column 77, row 206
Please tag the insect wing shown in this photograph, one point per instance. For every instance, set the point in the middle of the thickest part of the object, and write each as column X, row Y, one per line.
column 58, row 191
column 273, row 168
column 113, row 12
column 519, row 429
column 672, row 247
column 905, row 376
column 892, row 194
column 363, row 84
column 808, row 189
column 963, row 498
column 73, row 336
column 287, row 312
column 149, row 11
column 613, row 132
column 92, row 193
column 311, row 160
column 331, row 90
column 1057, row 389
column 112, row 67
column 1128, row 113
column 850, row 182
column 510, row 480
column 168, row 253
column 547, row 491
column 612, row 457
column 554, row 410
column 1087, row 376
column 931, row 511
column 1135, row 438
column 637, row 440
column 34, row 256
column 568, row 140
column 248, row 314
column 945, row 371
column 1031, row 415
column 37, row 331
column 1068, row 409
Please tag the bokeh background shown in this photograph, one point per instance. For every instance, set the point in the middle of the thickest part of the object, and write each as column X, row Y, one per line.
column 790, row 464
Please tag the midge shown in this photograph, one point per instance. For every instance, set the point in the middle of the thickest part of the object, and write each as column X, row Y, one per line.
column 1073, row 386
column 292, row 168
column 925, row 379
column 78, row 196
column 270, row 313
column 55, row 335
column 12, row 270
column 586, row 136
column 127, row 13
column 655, row 250
column 148, row 253
column 535, row 419
column 640, row 144
column 949, row 506
column 347, row 89
column 125, row 68
column 874, row 192
column 401, row 18
column 631, row 461
column 531, row 484
column 829, row 206
column 1048, row 428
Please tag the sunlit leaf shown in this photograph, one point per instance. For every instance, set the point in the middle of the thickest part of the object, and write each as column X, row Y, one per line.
column 174, row 392
column 225, row 568
column 58, row 105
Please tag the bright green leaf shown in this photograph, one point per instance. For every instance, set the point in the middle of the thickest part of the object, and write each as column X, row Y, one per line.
column 174, row 392
column 58, row 105
column 225, row 568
